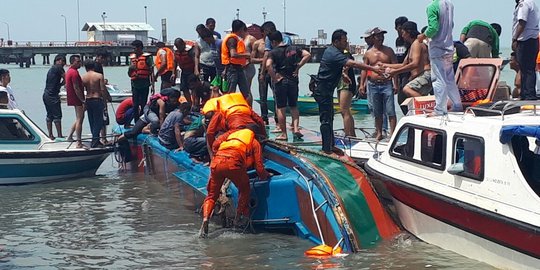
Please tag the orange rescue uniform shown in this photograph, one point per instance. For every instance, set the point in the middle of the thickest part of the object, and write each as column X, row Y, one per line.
column 237, row 152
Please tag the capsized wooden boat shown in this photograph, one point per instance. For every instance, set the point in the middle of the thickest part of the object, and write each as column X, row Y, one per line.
column 308, row 106
column 27, row 155
column 314, row 196
column 469, row 182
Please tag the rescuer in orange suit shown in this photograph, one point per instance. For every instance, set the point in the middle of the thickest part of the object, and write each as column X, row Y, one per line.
column 235, row 153
column 233, row 113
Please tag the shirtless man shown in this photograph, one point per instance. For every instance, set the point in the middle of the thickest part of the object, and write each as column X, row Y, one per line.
column 416, row 62
column 381, row 88
column 250, row 69
column 257, row 56
column 96, row 93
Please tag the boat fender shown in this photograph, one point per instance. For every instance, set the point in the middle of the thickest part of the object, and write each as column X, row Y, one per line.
column 323, row 251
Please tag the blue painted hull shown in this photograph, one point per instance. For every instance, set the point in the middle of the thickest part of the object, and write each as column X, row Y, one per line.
column 282, row 203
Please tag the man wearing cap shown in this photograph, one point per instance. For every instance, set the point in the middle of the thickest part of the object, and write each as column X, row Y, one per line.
column 481, row 38
column 5, row 79
column 330, row 72
column 525, row 44
column 416, row 62
column 441, row 51
column 381, row 89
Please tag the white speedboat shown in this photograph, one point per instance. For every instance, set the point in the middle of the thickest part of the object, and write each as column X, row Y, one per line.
column 477, row 80
column 362, row 147
column 117, row 95
column 469, row 182
column 27, row 155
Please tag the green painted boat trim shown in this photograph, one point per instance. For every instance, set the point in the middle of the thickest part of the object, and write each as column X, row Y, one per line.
column 352, row 198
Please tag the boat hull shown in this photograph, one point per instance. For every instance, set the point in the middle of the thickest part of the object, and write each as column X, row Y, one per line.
column 308, row 106
column 283, row 203
column 463, row 228
column 44, row 166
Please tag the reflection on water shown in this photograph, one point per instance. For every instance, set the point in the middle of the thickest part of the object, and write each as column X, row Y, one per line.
column 120, row 221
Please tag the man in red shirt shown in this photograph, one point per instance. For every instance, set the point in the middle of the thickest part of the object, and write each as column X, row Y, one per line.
column 124, row 113
column 75, row 97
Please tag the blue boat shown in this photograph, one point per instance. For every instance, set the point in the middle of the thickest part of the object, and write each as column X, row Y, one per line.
column 317, row 197
column 27, row 155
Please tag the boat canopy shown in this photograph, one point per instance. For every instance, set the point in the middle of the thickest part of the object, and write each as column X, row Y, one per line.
column 507, row 132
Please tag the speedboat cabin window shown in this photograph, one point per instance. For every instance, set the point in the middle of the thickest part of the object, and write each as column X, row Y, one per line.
column 404, row 143
column 475, row 82
column 431, row 147
column 469, row 151
column 11, row 129
column 420, row 145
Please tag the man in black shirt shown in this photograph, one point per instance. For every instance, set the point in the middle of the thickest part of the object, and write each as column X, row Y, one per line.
column 283, row 65
column 402, row 49
column 51, row 99
column 330, row 72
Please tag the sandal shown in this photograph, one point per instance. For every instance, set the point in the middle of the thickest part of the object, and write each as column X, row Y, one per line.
column 298, row 134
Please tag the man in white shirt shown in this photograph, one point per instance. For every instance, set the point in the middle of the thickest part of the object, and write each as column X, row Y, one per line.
column 525, row 44
column 5, row 79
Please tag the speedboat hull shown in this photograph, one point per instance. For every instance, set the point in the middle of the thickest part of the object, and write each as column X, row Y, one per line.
column 43, row 166
column 463, row 228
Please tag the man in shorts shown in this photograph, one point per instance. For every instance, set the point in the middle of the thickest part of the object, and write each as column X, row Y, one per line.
column 75, row 97
column 283, row 65
column 51, row 99
column 381, row 88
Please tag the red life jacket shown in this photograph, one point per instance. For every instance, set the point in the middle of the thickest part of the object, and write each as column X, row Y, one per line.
column 185, row 59
column 142, row 70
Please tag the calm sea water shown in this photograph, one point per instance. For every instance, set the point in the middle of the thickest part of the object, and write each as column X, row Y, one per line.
column 118, row 221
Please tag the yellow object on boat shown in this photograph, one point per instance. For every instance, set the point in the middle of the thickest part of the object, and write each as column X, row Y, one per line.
column 323, row 251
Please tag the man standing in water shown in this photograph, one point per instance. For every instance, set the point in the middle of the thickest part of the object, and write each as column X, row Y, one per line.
column 96, row 95
column 441, row 52
column 330, row 72
column 381, row 89
column 51, row 99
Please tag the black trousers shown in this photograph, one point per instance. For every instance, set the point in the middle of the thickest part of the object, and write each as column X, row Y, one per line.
column 324, row 95
column 140, row 96
column 263, row 95
column 94, row 109
column 526, row 57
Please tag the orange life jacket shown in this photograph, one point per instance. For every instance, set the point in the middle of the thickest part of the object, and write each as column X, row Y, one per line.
column 170, row 60
column 240, row 141
column 210, row 106
column 142, row 70
column 226, row 54
column 233, row 103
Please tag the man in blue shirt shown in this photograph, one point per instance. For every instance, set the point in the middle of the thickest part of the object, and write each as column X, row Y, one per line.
column 330, row 72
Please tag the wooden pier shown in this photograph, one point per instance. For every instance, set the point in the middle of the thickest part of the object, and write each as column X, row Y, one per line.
column 24, row 53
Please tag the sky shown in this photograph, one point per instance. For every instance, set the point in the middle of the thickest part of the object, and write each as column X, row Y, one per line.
column 41, row 20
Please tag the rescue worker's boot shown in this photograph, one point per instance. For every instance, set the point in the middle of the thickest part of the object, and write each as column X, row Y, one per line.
column 203, row 233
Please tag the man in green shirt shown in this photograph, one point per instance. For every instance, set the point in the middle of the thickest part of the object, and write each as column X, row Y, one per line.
column 481, row 38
